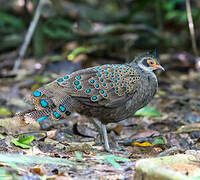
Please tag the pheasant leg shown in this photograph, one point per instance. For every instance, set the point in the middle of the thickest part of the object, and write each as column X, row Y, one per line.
column 105, row 137
column 103, row 133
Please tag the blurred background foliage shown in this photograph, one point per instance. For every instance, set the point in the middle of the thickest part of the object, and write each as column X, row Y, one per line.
column 98, row 28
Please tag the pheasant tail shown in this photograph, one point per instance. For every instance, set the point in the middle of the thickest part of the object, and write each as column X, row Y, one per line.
column 102, row 84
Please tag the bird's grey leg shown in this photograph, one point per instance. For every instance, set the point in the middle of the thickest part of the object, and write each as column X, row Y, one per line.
column 105, row 137
column 103, row 133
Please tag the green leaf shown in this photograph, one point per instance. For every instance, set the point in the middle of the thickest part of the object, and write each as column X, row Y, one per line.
column 147, row 112
column 78, row 156
column 112, row 160
column 162, row 93
column 23, row 141
column 10, row 24
column 22, row 159
column 75, row 52
column 16, row 143
column 158, row 141
column 26, row 140
column 5, row 112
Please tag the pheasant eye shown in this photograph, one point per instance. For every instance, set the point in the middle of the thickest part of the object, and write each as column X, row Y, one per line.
column 151, row 62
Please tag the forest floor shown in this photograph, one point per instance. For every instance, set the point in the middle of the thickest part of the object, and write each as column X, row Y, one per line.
column 169, row 125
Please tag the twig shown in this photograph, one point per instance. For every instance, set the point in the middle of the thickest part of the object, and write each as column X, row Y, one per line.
column 191, row 27
column 29, row 35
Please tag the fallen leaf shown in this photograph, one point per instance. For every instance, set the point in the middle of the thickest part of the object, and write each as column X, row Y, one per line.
column 144, row 144
column 78, row 156
column 147, row 112
column 5, row 112
column 158, row 141
column 17, row 143
column 23, row 141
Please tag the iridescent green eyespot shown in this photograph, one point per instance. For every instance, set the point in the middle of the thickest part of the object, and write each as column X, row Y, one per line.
column 78, row 87
column 92, row 81
column 94, row 98
column 43, row 103
column 60, row 80
column 76, row 82
column 102, row 91
column 78, row 77
column 62, row 108
column 41, row 118
column 96, row 85
column 88, row 90
column 36, row 93
column 56, row 114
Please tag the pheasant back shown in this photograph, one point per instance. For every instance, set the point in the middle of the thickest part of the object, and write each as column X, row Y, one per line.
column 100, row 85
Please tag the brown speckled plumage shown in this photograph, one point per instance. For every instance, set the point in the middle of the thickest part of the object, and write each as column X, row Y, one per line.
column 109, row 93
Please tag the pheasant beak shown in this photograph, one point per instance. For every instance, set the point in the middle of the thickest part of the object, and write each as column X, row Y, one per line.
column 161, row 68
column 158, row 66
